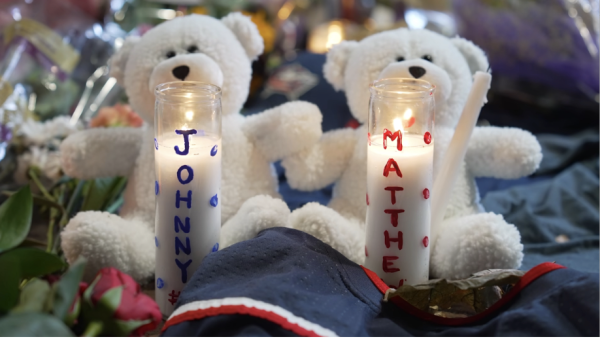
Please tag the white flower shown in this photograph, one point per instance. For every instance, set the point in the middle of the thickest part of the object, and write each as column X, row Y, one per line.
column 40, row 133
column 47, row 161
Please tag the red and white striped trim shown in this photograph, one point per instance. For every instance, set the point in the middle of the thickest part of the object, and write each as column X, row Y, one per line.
column 284, row 318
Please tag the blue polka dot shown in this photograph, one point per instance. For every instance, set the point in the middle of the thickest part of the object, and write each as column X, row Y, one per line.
column 216, row 247
column 213, row 151
column 160, row 283
column 156, row 241
column 156, row 144
column 156, row 188
column 214, row 201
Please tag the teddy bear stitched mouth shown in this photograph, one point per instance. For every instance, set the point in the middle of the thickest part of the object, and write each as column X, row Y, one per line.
column 181, row 72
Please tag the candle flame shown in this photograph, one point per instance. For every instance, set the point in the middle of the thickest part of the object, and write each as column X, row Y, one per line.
column 408, row 114
column 398, row 125
column 189, row 115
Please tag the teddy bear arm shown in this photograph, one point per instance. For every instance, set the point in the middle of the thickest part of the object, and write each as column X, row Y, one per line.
column 285, row 129
column 101, row 152
column 503, row 153
column 322, row 164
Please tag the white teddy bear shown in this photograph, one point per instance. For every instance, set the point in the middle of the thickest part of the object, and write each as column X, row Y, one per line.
column 195, row 48
column 470, row 239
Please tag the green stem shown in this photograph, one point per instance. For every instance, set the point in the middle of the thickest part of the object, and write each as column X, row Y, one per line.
column 50, row 235
column 93, row 329
column 38, row 183
column 73, row 198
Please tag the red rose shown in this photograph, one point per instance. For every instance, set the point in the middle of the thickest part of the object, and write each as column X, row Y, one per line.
column 133, row 306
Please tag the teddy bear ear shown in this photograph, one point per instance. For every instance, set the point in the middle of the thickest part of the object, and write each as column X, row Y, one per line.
column 474, row 55
column 335, row 65
column 246, row 32
column 119, row 60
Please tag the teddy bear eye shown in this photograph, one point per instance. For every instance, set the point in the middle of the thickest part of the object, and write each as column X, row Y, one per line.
column 427, row 57
column 192, row 49
column 170, row 54
column 400, row 59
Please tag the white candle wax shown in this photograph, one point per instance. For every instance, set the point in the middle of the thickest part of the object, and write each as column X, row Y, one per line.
column 457, row 149
column 399, row 258
column 181, row 248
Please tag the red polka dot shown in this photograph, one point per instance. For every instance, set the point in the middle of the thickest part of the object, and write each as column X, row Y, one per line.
column 426, row 193
column 369, row 138
column 366, row 252
column 426, row 241
column 367, row 199
column 427, row 138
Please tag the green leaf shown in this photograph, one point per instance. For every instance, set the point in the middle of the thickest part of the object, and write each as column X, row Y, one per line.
column 31, row 262
column 33, row 297
column 15, row 219
column 111, row 299
column 33, row 325
column 101, row 192
column 39, row 200
column 67, row 288
column 9, row 284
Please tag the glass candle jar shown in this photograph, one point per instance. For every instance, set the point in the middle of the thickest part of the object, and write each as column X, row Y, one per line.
column 399, row 180
column 187, row 130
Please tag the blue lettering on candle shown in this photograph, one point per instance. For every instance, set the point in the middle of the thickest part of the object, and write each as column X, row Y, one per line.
column 186, row 140
column 179, row 245
column 156, row 188
column 178, row 224
column 216, row 247
column 160, row 283
column 188, row 200
column 183, row 268
column 156, row 241
column 156, row 144
column 190, row 175
column 214, row 201
column 213, row 151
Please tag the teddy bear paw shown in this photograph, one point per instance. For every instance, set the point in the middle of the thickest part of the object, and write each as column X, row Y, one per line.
column 473, row 243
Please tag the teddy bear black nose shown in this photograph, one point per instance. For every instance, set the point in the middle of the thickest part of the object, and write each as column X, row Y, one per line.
column 180, row 72
column 416, row 71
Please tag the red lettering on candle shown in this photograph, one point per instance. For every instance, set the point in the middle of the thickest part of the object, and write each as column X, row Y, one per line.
column 388, row 262
column 369, row 138
column 367, row 199
column 426, row 241
column 393, row 190
column 427, row 138
column 426, row 193
column 393, row 136
column 389, row 240
column 174, row 296
column 410, row 122
column 394, row 214
column 391, row 163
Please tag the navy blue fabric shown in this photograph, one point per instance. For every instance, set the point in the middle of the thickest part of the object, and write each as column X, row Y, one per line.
column 298, row 272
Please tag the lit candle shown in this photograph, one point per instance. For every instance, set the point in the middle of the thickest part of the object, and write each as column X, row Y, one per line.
column 399, row 180
column 188, row 183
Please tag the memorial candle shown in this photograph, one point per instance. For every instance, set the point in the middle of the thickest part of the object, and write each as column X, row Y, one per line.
column 188, row 183
column 399, row 180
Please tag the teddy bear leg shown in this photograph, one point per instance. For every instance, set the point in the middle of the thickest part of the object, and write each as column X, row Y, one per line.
column 473, row 243
column 255, row 214
column 344, row 235
column 107, row 240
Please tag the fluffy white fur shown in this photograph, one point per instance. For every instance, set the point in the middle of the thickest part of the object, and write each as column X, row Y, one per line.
column 470, row 239
column 225, row 50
